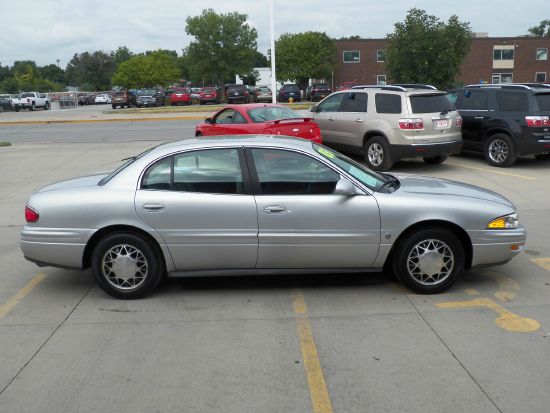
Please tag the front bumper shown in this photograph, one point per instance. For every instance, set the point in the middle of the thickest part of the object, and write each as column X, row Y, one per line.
column 493, row 247
column 429, row 150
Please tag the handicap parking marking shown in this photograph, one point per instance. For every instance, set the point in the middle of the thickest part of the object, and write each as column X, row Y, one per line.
column 508, row 287
column 542, row 262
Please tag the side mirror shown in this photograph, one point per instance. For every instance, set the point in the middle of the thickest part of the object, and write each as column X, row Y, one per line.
column 345, row 187
column 208, row 120
column 313, row 109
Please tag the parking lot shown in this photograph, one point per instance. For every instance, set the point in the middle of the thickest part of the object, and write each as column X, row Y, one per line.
column 342, row 343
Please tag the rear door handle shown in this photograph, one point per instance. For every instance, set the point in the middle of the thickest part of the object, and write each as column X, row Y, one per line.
column 274, row 209
column 153, row 207
column 330, row 118
column 479, row 117
column 358, row 120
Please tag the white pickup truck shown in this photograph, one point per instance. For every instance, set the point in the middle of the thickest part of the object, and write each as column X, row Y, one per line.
column 31, row 101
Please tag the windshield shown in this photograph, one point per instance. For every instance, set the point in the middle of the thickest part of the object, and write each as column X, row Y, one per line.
column 147, row 92
column 360, row 172
column 266, row 113
column 543, row 99
column 128, row 162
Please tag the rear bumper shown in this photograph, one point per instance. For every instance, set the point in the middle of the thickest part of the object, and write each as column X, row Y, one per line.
column 493, row 247
column 534, row 147
column 425, row 150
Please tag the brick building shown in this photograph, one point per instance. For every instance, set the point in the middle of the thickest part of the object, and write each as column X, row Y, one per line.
column 491, row 60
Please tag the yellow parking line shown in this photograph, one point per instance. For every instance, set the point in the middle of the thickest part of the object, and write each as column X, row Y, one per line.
column 471, row 291
column 492, row 171
column 320, row 399
column 13, row 301
column 542, row 262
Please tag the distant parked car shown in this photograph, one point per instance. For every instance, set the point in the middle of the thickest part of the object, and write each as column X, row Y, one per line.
column 259, row 118
column 263, row 94
column 237, row 93
column 289, row 91
column 504, row 121
column 209, row 95
column 180, row 96
column 318, row 91
column 31, row 101
column 103, row 98
column 126, row 98
column 5, row 103
column 149, row 97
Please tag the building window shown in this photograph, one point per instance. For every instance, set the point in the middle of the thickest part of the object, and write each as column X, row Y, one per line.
column 502, row 78
column 542, row 54
column 352, row 56
column 540, row 77
column 380, row 55
column 503, row 53
column 381, row 79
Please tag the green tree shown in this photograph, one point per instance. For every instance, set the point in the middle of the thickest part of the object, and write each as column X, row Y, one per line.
column 9, row 85
column 423, row 49
column 52, row 73
column 302, row 56
column 94, row 69
column 261, row 60
column 121, row 54
column 158, row 68
column 224, row 46
column 539, row 31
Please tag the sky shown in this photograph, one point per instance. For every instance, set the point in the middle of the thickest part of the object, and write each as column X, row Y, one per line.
column 47, row 30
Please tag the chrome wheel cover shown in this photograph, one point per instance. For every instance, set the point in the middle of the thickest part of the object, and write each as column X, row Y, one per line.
column 375, row 154
column 498, row 151
column 124, row 267
column 430, row 262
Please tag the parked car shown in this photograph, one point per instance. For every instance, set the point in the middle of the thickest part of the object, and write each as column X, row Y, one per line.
column 149, row 97
column 505, row 121
column 102, row 98
column 180, row 96
column 263, row 94
column 31, row 101
column 318, row 91
column 389, row 123
column 346, row 85
column 126, row 98
column 237, row 93
column 259, row 118
column 6, row 103
column 264, row 204
column 209, row 95
column 289, row 91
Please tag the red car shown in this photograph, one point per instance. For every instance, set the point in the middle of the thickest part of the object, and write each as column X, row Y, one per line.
column 209, row 94
column 259, row 118
column 181, row 97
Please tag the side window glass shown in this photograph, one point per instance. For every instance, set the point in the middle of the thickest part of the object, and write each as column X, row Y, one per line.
column 331, row 104
column 512, row 101
column 354, row 102
column 216, row 171
column 473, row 100
column 290, row 173
column 158, row 176
column 387, row 103
column 225, row 117
column 238, row 118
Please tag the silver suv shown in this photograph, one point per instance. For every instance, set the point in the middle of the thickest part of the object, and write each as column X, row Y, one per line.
column 389, row 123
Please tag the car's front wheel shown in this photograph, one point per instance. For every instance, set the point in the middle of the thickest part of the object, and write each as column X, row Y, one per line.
column 500, row 151
column 127, row 266
column 377, row 154
column 435, row 160
column 428, row 261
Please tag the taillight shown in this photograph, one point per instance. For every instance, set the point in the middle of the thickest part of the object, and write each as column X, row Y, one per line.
column 30, row 214
column 459, row 120
column 537, row 121
column 246, row 93
column 411, row 124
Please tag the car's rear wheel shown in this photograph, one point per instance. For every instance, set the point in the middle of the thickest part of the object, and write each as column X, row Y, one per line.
column 543, row 156
column 377, row 154
column 125, row 265
column 47, row 106
column 435, row 160
column 32, row 106
column 428, row 261
column 500, row 151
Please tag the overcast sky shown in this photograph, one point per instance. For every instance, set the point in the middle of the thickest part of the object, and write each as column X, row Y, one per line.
column 46, row 30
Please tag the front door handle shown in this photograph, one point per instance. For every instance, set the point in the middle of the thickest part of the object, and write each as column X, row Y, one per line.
column 274, row 209
column 153, row 207
column 479, row 117
column 330, row 118
column 358, row 120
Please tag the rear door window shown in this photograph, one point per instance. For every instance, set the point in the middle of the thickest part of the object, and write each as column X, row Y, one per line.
column 430, row 104
column 387, row 103
column 512, row 101
column 354, row 102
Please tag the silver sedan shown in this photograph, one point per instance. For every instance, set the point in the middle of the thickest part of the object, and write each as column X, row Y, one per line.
column 264, row 205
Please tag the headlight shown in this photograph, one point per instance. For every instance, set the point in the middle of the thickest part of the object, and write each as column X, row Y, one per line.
column 506, row 222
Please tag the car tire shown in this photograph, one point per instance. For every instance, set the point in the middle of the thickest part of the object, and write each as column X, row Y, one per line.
column 32, row 106
column 435, row 160
column 500, row 151
column 126, row 266
column 47, row 106
column 543, row 157
column 113, row 106
column 377, row 154
column 428, row 261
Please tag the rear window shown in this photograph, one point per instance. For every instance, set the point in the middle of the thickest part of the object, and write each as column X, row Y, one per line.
column 430, row 104
column 27, row 95
column 237, row 87
column 321, row 85
column 512, row 101
column 259, row 115
column 387, row 103
column 208, row 90
column 118, row 94
column 291, row 88
column 543, row 101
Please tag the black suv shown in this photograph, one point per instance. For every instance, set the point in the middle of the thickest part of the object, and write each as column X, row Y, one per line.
column 237, row 93
column 289, row 91
column 505, row 120
column 318, row 91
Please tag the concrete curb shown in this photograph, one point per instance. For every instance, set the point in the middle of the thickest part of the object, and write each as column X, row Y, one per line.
column 60, row 121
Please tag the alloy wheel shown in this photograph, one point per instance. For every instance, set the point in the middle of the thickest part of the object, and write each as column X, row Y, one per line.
column 430, row 262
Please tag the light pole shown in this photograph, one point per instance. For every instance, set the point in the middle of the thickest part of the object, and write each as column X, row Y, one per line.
column 273, row 74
